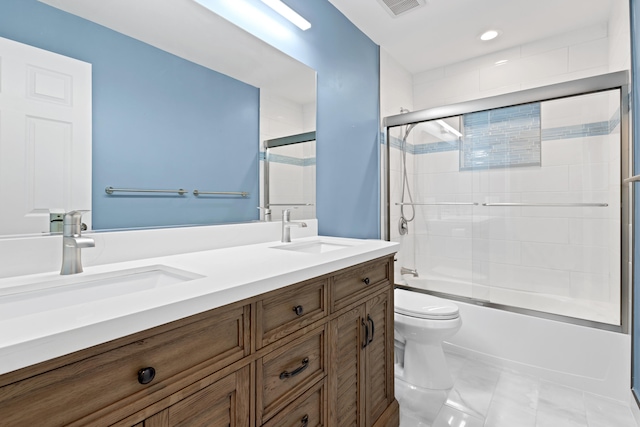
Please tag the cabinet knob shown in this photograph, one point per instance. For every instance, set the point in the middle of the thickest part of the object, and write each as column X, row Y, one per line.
column 146, row 375
column 305, row 421
column 366, row 280
column 299, row 310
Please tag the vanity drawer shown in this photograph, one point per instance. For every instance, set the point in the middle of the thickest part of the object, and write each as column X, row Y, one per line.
column 285, row 373
column 347, row 287
column 290, row 309
column 83, row 389
column 307, row 410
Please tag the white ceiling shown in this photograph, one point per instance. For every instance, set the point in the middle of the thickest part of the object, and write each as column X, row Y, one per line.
column 446, row 31
column 188, row 30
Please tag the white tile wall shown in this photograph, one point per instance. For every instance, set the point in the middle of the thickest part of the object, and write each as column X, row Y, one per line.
column 575, row 151
column 619, row 39
column 580, row 53
column 589, row 55
column 576, row 111
column 397, row 94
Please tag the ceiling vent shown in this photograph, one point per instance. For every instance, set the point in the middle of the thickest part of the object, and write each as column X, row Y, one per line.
column 399, row 7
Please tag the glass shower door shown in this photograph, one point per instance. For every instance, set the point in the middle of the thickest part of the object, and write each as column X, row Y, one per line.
column 517, row 206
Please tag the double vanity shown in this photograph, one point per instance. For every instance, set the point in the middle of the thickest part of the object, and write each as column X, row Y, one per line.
column 267, row 333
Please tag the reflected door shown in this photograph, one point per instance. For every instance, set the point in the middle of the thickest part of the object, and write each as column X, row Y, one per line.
column 45, row 137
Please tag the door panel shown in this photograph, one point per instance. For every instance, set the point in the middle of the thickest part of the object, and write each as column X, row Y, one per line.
column 45, row 137
column 346, row 391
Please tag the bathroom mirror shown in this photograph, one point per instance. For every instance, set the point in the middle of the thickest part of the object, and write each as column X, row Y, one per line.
column 181, row 100
column 290, row 176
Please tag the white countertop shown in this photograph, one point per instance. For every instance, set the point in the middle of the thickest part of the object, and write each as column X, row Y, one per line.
column 228, row 275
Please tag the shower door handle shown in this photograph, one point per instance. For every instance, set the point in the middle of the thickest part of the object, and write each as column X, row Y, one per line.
column 373, row 329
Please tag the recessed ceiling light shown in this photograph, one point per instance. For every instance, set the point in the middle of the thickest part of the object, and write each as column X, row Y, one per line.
column 501, row 62
column 489, row 35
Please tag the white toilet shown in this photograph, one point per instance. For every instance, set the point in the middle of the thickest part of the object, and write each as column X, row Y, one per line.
column 422, row 322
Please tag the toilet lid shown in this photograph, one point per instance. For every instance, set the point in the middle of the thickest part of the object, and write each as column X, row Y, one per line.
column 416, row 304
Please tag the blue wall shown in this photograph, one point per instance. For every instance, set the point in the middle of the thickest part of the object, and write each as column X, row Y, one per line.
column 348, row 64
column 158, row 122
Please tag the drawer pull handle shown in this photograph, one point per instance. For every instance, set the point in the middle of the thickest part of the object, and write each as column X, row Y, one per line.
column 146, row 375
column 366, row 280
column 366, row 334
column 373, row 329
column 305, row 421
column 285, row 374
column 298, row 309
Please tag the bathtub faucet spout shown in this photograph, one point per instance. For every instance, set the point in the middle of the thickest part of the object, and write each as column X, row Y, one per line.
column 413, row 272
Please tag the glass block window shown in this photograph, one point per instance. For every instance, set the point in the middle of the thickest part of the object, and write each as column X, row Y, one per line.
column 504, row 137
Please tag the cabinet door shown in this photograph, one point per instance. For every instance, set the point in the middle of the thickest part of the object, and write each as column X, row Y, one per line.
column 379, row 356
column 223, row 403
column 347, row 372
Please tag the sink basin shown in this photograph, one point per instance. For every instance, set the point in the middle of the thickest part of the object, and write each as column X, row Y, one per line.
column 313, row 247
column 38, row 297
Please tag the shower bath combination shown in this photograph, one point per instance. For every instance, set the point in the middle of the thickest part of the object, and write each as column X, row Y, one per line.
column 523, row 212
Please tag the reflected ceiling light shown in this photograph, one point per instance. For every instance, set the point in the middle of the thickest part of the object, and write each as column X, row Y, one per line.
column 290, row 14
column 487, row 35
column 447, row 127
column 501, row 62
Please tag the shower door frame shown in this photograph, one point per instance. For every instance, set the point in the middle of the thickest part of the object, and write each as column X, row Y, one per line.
column 611, row 81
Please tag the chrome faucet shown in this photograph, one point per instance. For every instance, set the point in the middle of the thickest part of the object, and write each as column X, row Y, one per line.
column 72, row 242
column 413, row 272
column 287, row 224
column 267, row 213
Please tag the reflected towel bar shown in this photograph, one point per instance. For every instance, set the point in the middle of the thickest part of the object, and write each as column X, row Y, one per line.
column 111, row 190
column 439, row 204
column 290, row 204
column 559, row 205
column 221, row 193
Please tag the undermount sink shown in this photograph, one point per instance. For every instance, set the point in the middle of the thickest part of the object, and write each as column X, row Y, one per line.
column 23, row 300
column 313, row 247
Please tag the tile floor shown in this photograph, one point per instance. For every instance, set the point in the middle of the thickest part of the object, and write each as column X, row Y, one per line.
column 484, row 395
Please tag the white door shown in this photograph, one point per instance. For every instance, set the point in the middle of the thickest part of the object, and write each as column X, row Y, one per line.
column 45, row 137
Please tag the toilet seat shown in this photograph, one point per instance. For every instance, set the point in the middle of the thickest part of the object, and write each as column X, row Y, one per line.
column 423, row 306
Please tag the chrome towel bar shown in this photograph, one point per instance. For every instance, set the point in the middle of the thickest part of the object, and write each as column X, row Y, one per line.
column 439, row 204
column 290, row 204
column 111, row 190
column 632, row 179
column 559, row 205
column 221, row 193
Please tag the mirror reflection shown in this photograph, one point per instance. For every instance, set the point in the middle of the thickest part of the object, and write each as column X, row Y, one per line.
column 290, row 176
column 171, row 97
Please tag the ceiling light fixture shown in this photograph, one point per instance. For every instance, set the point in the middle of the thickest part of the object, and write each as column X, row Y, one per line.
column 290, row 14
column 487, row 35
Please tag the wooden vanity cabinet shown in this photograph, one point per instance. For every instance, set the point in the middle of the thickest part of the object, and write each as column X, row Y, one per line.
column 316, row 353
column 224, row 403
column 361, row 354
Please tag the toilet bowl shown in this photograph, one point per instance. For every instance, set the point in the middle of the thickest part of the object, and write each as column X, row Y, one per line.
column 422, row 322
